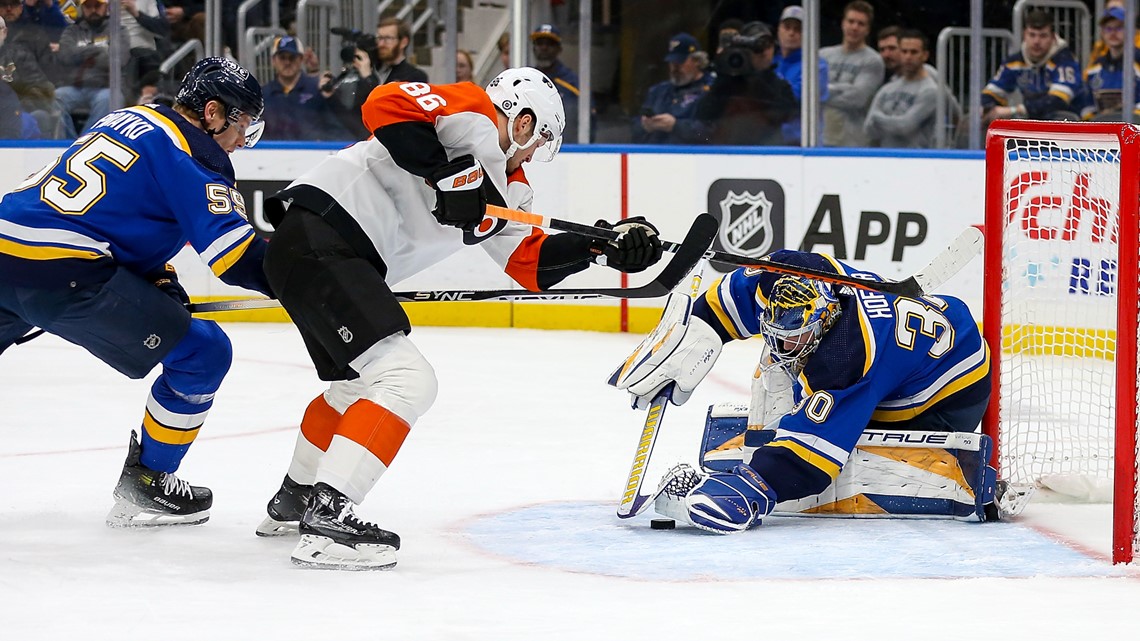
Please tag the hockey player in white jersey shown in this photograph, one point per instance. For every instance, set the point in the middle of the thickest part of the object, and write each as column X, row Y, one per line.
column 376, row 213
column 864, row 403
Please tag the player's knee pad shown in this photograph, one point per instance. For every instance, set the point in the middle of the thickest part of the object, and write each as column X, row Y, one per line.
column 393, row 374
column 199, row 362
column 721, row 502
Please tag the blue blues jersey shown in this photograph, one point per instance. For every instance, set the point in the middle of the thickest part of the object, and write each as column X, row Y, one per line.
column 131, row 192
column 1052, row 85
column 886, row 359
column 1104, row 79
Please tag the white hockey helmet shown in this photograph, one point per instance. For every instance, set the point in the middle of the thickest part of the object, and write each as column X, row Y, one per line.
column 527, row 88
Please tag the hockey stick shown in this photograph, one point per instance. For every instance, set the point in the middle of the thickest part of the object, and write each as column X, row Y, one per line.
column 946, row 264
column 695, row 245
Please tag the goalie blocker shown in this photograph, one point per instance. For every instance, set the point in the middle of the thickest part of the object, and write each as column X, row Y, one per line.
column 890, row 474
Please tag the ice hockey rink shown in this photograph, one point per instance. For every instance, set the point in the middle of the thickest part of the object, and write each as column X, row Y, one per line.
column 504, row 496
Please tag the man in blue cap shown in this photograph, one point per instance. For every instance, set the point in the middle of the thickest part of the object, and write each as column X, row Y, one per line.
column 294, row 106
column 667, row 114
column 1104, row 78
column 546, row 45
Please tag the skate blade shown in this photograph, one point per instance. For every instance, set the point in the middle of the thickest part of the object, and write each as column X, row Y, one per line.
column 271, row 527
column 322, row 553
column 125, row 514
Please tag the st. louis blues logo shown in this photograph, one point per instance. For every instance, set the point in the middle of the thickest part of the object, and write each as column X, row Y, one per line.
column 746, row 223
column 488, row 227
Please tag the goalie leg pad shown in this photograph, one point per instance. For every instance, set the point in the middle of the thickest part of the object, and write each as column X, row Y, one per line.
column 721, row 502
column 910, row 477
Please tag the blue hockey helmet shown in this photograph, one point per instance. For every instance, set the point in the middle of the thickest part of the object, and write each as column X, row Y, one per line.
column 231, row 84
column 799, row 313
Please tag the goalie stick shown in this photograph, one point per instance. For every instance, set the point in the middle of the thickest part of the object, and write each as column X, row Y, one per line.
column 947, row 263
column 633, row 502
column 689, row 252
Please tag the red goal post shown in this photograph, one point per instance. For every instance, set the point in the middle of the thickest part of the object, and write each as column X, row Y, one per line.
column 1060, row 311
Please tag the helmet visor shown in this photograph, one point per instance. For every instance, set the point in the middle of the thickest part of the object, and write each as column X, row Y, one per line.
column 253, row 132
column 548, row 149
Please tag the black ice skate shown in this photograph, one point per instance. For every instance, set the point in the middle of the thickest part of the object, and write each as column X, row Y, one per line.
column 146, row 498
column 332, row 537
column 285, row 509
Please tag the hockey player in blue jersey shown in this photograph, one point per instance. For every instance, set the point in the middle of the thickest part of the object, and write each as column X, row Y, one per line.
column 84, row 245
column 841, row 367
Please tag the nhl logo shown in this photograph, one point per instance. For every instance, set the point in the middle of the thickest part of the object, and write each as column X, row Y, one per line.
column 152, row 341
column 751, row 213
column 746, row 223
column 345, row 334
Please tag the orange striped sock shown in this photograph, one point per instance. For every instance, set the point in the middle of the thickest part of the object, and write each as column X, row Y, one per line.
column 375, row 428
column 319, row 423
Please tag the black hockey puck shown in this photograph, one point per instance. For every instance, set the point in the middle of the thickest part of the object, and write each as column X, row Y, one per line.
column 662, row 524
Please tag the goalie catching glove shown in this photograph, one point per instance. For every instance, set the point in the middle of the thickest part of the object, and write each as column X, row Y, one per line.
column 460, row 197
column 680, row 350
column 636, row 247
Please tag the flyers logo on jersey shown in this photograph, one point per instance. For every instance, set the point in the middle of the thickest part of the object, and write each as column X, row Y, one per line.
column 472, row 179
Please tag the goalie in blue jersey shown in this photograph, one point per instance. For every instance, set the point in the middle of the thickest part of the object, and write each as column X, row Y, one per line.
column 864, row 403
column 84, row 245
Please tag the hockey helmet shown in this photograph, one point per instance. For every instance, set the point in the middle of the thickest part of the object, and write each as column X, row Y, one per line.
column 799, row 313
column 231, row 84
column 528, row 89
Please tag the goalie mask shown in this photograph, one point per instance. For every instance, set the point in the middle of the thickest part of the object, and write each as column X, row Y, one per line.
column 527, row 89
column 799, row 313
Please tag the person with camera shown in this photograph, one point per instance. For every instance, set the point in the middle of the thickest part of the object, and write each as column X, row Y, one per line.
column 855, row 73
column 668, row 113
column 295, row 109
column 748, row 102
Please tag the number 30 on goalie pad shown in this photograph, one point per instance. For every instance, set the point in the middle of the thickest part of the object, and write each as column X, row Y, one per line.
column 900, row 474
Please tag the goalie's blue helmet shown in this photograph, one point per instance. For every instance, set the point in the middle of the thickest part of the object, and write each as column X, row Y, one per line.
column 223, row 80
column 799, row 313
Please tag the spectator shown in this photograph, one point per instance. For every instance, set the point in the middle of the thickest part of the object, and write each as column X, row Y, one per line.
column 47, row 14
column 667, row 114
column 33, row 88
column 855, row 72
column 1044, row 72
column 464, row 67
column 1100, row 47
column 294, row 106
column 747, row 102
column 392, row 39
column 1104, row 78
column 546, row 44
column 187, row 20
column 346, row 95
column 789, row 66
column 152, row 91
column 505, row 50
column 902, row 113
column 11, row 113
column 83, row 53
column 889, row 51
column 727, row 30
column 145, row 24
column 29, row 34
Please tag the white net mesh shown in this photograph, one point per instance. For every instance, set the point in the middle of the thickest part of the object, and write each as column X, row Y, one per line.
column 1058, row 383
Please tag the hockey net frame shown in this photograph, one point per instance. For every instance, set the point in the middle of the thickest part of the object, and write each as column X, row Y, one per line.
column 1015, row 209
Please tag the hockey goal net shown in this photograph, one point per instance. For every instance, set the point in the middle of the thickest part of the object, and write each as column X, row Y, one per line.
column 1060, row 307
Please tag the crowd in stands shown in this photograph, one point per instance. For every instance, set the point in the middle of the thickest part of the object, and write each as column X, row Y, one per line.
column 747, row 91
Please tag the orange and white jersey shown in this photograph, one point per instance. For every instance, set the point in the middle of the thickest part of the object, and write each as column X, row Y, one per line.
column 380, row 182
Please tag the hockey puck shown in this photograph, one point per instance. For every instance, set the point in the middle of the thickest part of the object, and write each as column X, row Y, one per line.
column 662, row 524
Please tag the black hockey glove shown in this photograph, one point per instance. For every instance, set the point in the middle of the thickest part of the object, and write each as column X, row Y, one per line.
column 636, row 248
column 460, row 199
column 166, row 279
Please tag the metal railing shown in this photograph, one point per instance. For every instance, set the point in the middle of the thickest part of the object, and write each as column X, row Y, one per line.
column 952, row 60
column 1072, row 22
column 193, row 46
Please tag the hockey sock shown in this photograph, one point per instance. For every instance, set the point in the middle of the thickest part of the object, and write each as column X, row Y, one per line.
column 182, row 395
column 317, row 429
column 367, row 440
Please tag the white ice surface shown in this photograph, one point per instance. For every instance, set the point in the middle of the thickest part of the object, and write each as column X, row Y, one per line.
column 504, row 496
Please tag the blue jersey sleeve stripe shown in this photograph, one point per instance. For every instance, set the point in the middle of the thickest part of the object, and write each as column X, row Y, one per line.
column 815, row 443
column 165, row 125
column 37, row 243
column 45, row 252
column 223, row 260
column 814, row 459
column 970, row 377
